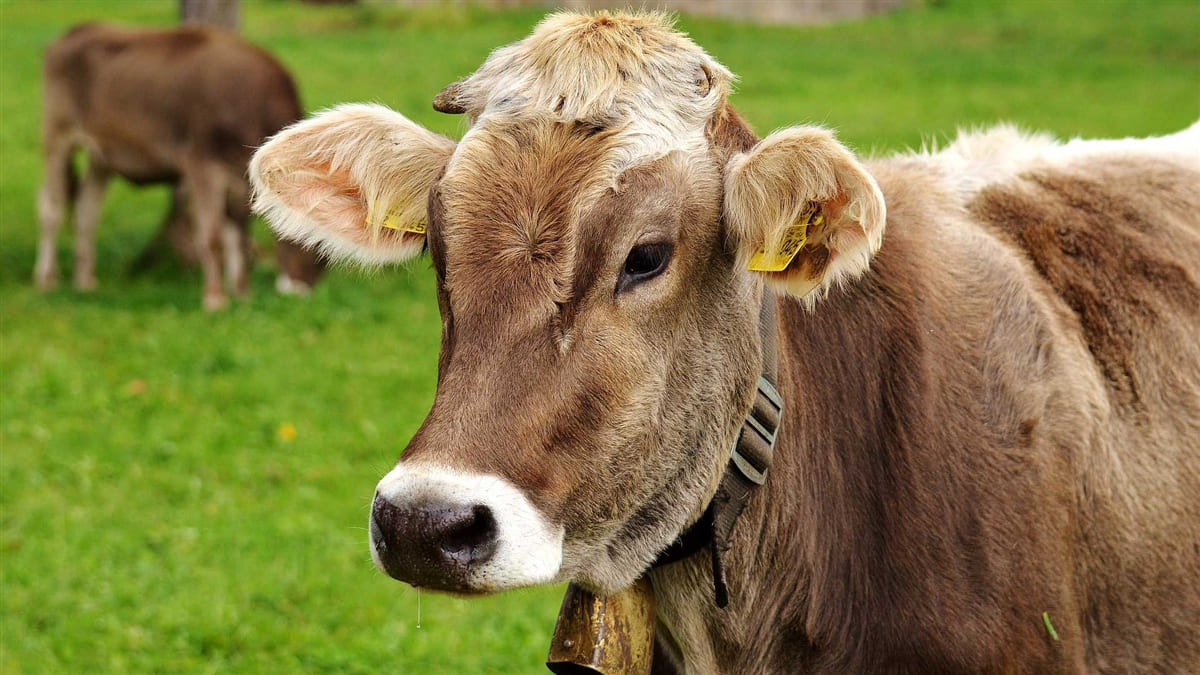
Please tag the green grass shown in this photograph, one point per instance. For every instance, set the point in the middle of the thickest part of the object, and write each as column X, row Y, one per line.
column 152, row 516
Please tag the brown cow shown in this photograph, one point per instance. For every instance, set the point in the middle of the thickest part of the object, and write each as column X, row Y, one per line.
column 185, row 106
column 989, row 456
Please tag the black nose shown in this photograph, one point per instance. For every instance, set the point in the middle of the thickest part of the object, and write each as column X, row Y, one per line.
column 432, row 545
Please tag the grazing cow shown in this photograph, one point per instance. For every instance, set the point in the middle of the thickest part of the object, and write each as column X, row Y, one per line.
column 989, row 454
column 184, row 106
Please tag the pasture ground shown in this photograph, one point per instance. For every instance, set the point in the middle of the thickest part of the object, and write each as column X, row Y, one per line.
column 184, row 492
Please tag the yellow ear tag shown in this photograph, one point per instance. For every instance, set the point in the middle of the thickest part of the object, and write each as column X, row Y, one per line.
column 391, row 220
column 793, row 240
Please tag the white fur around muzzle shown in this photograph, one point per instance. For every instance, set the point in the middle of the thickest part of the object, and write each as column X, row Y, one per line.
column 529, row 549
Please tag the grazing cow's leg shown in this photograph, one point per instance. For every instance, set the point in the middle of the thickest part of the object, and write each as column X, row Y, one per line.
column 233, row 240
column 52, row 201
column 87, row 215
column 206, row 184
column 235, row 234
column 174, row 237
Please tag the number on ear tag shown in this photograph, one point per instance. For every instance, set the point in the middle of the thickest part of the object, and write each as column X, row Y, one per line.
column 391, row 220
column 777, row 259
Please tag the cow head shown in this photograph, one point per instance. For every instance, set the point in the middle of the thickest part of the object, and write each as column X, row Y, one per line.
column 600, row 342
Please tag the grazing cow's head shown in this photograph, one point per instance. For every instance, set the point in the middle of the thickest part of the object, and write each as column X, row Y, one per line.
column 590, row 235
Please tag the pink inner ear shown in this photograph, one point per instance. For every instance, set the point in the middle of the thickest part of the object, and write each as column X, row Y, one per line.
column 325, row 197
column 332, row 201
column 832, row 209
column 342, row 209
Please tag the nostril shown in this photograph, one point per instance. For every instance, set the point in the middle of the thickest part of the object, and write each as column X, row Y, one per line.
column 471, row 537
column 434, row 545
column 377, row 535
column 384, row 514
column 383, row 519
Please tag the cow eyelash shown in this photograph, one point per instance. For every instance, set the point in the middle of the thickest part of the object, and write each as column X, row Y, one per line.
column 644, row 262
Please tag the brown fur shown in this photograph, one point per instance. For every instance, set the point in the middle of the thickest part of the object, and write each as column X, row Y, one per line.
column 1113, row 258
column 184, row 106
column 965, row 473
column 532, row 176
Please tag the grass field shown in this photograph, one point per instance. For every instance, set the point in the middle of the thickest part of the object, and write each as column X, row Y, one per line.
column 188, row 492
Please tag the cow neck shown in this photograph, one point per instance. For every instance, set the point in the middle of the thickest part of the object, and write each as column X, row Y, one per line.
column 615, row 633
column 749, row 459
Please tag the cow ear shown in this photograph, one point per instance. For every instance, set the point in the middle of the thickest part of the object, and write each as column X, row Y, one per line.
column 353, row 181
column 803, row 211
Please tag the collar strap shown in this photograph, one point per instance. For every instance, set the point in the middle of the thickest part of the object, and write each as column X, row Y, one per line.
column 749, row 459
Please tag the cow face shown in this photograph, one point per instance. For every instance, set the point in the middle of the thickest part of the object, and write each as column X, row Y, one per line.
column 600, row 337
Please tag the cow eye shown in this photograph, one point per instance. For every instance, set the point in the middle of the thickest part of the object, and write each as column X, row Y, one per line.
column 645, row 261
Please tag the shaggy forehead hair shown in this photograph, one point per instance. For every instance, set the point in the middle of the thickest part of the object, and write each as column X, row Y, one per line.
column 513, row 197
column 633, row 73
column 555, row 120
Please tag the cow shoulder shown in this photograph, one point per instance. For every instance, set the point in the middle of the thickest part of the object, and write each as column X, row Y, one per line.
column 1117, row 243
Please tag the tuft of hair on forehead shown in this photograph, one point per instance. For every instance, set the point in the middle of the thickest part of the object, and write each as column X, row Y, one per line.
column 514, row 192
column 630, row 71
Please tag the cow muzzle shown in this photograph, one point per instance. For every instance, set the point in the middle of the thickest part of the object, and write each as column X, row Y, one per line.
column 446, row 530
column 434, row 545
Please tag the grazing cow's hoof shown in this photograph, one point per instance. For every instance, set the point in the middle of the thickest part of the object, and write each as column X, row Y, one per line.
column 215, row 302
column 289, row 286
column 45, row 280
column 433, row 545
column 85, row 283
